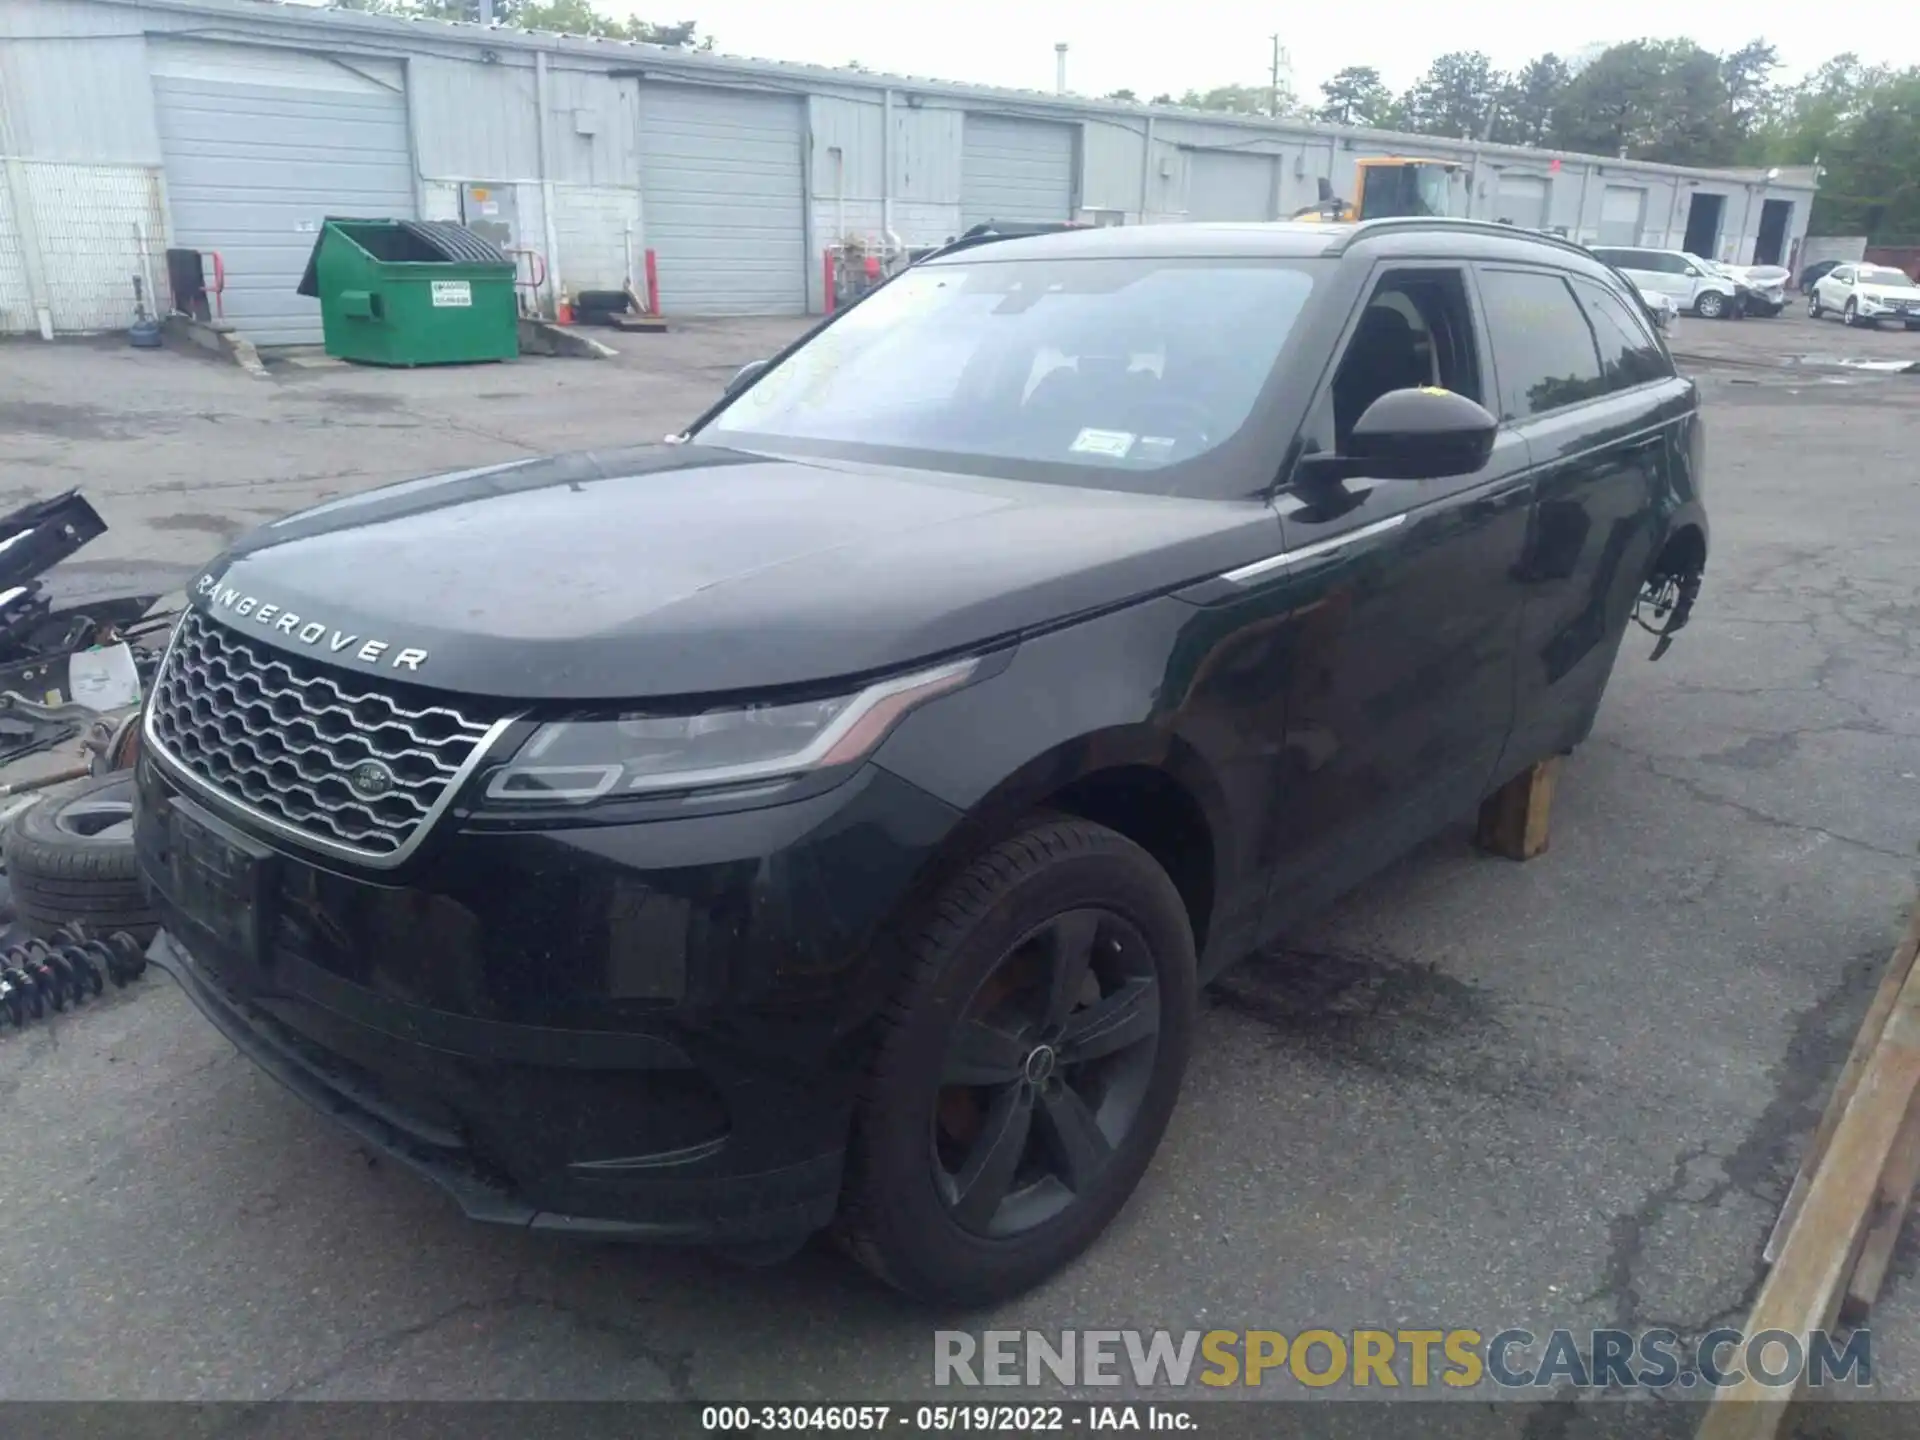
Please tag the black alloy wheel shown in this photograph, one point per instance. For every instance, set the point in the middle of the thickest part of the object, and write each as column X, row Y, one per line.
column 1025, row 1069
column 1045, row 1073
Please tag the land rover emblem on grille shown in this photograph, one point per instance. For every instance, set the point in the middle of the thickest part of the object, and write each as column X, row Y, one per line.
column 370, row 780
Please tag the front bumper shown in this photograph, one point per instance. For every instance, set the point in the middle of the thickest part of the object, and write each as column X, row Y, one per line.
column 647, row 1031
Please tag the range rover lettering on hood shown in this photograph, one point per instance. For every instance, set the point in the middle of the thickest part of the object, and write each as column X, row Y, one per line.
column 316, row 633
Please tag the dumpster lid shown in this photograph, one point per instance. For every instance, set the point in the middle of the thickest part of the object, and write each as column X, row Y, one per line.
column 450, row 239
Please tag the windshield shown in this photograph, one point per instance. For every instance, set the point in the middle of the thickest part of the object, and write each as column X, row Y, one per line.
column 1884, row 275
column 1091, row 371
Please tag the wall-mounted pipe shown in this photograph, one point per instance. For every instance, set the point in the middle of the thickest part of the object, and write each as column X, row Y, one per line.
column 886, row 171
column 543, row 127
column 839, row 194
column 1146, row 172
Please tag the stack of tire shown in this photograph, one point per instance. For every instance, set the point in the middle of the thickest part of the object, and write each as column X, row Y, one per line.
column 70, row 857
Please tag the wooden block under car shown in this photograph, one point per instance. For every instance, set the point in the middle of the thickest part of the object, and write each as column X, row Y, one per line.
column 1514, row 819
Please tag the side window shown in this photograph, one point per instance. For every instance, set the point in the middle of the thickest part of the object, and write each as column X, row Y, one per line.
column 1542, row 345
column 1416, row 329
column 1629, row 355
column 1670, row 264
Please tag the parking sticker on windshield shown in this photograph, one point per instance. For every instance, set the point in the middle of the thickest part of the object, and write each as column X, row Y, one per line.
column 1115, row 443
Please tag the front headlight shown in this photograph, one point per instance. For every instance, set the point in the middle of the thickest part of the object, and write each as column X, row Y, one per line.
column 578, row 761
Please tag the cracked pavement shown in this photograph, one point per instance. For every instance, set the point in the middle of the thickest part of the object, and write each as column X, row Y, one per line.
column 1569, row 1093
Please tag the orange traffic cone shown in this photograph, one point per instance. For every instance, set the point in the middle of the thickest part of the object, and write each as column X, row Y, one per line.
column 564, row 311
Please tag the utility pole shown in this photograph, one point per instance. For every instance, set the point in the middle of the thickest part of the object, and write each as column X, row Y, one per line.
column 1273, row 87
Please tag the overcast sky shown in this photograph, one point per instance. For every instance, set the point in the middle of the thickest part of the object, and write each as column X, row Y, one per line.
column 1174, row 45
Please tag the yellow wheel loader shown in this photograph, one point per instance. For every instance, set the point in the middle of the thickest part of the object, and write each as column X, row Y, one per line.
column 1391, row 185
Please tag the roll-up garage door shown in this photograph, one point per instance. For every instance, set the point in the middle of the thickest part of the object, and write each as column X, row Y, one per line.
column 1522, row 199
column 259, row 146
column 723, row 197
column 1015, row 170
column 1623, row 210
column 1222, row 185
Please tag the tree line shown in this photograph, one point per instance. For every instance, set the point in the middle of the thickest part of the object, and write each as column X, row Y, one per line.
column 1666, row 100
column 558, row 17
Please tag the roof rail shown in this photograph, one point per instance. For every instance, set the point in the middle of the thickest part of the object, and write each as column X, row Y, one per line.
column 1366, row 229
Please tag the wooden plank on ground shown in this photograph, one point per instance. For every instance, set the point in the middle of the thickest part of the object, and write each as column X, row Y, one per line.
column 1803, row 1291
column 1899, row 966
column 1514, row 820
column 1889, row 1215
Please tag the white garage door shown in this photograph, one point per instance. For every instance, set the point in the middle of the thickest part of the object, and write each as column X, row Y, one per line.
column 1015, row 170
column 722, row 194
column 1522, row 199
column 260, row 146
column 1224, row 186
column 1623, row 210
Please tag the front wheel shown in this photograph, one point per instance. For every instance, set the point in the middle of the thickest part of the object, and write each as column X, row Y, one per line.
column 1813, row 306
column 1026, row 1070
column 1710, row 306
column 1850, row 315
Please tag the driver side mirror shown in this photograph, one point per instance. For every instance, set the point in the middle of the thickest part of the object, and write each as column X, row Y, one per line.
column 745, row 376
column 1424, row 433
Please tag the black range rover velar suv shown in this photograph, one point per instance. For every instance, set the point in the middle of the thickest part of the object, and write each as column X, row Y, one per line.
column 823, row 820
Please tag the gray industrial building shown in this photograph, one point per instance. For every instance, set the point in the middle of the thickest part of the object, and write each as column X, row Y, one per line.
column 232, row 127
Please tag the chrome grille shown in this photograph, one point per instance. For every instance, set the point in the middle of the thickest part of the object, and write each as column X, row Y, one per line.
column 281, row 734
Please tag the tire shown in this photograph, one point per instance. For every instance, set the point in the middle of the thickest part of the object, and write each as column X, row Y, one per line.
column 1710, row 305
column 1849, row 315
column 992, row 948
column 70, row 857
column 1814, row 312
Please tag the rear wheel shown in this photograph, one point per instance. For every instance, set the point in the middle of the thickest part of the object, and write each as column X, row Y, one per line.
column 1711, row 305
column 1027, row 1070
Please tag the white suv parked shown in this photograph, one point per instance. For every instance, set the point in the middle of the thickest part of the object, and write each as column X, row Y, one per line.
column 1866, row 295
column 1697, row 286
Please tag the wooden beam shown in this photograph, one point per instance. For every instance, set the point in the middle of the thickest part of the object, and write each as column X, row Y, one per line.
column 1899, row 965
column 1514, row 819
column 1804, row 1289
column 1890, row 1205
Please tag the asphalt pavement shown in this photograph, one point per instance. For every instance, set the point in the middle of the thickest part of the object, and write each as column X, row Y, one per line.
column 1478, row 1094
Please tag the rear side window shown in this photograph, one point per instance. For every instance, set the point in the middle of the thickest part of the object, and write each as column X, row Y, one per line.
column 1543, row 347
column 1629, row 355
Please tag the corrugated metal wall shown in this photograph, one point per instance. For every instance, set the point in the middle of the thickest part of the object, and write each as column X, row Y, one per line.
column 260, row 146
column 16, row 303
column 1013, row 168
column 1229, row 185
column 723, row 184
column 76, row 98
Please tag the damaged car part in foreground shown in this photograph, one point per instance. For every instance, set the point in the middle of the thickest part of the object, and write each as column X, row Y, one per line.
column 826, row 821
column 38, row 638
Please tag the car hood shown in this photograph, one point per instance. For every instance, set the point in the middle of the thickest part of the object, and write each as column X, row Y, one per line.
column 692, row 570
column 1887, row 294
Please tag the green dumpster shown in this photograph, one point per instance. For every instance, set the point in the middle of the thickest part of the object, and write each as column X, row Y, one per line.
column 412, row 292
